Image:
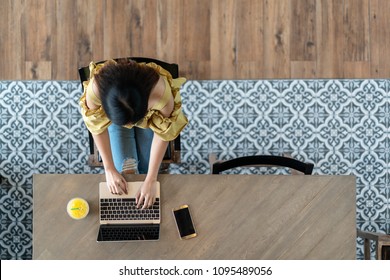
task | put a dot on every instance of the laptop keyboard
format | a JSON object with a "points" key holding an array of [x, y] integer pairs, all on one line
{"points": [[126, 209], [128, 232]]}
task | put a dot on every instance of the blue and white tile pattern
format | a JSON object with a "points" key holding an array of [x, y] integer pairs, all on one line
{"points": [[342, 126]]}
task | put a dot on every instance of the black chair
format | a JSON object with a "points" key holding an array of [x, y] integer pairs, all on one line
{"points": [[172, 155], [263, 160]]}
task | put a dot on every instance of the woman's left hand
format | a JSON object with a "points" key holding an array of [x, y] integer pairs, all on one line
{"points": [[146, 194]]}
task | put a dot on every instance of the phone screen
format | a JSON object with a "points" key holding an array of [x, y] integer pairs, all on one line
{"points": [[184, 222]]}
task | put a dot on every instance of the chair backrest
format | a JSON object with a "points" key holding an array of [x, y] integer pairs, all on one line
{"points": [[263, 160], [381, 243], [172, 68], [172, 154]]}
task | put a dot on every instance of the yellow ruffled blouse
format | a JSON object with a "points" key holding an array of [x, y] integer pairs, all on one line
{"points": [[168, 128]]}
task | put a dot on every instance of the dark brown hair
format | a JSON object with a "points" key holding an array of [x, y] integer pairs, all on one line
{"points": [[124, 88]]}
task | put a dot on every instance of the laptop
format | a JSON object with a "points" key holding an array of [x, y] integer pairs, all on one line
{"points": [[120, 219]]}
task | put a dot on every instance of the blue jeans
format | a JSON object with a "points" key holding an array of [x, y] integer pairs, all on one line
{"points": [[132, 143]]}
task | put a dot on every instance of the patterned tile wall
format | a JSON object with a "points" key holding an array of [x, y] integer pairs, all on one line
{"points": [[342, 126]]}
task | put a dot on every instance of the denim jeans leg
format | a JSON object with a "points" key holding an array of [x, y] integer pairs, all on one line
{"points": [[144, 138], [123, 145]]}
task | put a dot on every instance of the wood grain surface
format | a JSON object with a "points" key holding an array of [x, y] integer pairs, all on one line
{"points": [[217, 39], [236, 216]]}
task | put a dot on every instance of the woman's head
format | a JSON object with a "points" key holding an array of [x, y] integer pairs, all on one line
{"points": [[124, 88]]}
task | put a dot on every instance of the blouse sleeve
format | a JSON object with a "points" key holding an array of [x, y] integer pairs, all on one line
{"points": [[168, 128], [95, 120]]}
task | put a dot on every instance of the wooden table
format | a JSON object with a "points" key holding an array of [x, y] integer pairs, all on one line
{"points": [[236, 216]]}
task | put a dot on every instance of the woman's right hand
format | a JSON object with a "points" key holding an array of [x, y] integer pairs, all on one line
{"points": [[116, 183]]}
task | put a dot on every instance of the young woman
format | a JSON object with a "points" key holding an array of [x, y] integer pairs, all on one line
{"points": [[132, 110]]}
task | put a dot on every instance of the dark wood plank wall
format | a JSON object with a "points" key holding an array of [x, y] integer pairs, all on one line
{"points": [[210, 39]]}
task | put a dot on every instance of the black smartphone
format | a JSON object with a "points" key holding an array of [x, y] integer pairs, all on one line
{"points": [[184, 222]]}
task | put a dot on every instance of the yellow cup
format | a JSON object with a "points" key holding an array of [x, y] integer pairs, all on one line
{"points": [[77, 208]]}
